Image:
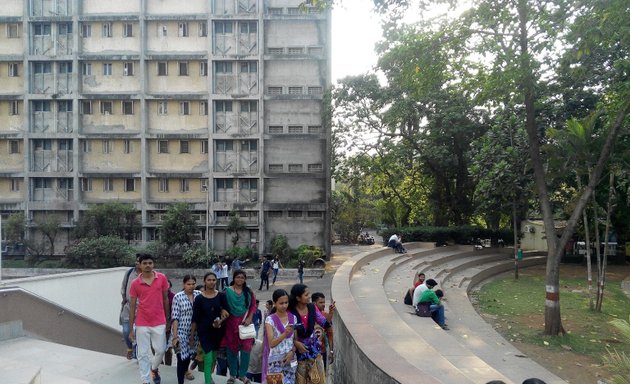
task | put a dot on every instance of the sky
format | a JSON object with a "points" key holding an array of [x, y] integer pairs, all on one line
{"points": [[355, 30]]}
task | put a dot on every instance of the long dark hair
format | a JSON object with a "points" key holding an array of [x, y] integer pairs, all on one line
{"points": [[246, 289], [277, 294], [296, 291], [305, 330]]}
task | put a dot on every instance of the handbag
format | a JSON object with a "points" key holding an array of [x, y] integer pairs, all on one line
{"points": [[275, 378], [408, 299], [423, 309], [246, 332]]}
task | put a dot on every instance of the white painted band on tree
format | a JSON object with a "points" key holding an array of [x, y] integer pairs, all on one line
{"points": [[551, 289], [552, 303]]}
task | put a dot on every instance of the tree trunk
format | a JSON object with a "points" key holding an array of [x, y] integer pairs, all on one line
{"points": [[597, 252], [600, 298], [515, 240], [587, 242]]}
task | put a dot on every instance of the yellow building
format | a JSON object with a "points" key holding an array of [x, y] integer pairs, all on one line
{"points": [[217, 103]]}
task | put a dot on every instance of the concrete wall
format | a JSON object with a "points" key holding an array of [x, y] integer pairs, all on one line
{"points": [[94, 294]]}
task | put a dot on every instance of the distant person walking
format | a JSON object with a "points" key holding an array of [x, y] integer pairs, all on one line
{"points": [[275, 266], [265, 270], [301, 271], [149, 296], [131, 274]]}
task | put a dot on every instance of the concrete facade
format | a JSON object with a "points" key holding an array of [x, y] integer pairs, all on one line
{"points": [[218, 103]]}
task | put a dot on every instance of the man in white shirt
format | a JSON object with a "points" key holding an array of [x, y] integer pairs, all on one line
{"points": [[429, 284]]}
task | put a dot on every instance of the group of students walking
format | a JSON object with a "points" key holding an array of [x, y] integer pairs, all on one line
{"points": [[207, 321]]}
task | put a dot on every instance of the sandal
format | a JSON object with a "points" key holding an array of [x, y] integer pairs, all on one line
{"points": [[231, 380], [189, 376], [245, 380]]}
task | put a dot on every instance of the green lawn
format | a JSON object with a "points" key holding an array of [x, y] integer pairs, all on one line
{"points": [[518, 307]]}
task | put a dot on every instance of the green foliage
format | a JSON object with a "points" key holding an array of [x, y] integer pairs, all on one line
{"points": [[241, 253], [280, 248], [49, 226], [443, 235], [179, 226], [234, 226], [619, 361], [109, 219], [14, 227], [352, 210], [101, 252], [308, 254], [196, 257]]}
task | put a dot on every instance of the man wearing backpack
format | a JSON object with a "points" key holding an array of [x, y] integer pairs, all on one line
{"points": [[123, 319]]}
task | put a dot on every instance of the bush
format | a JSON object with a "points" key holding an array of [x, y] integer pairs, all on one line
{"points": [[280, 248], [241, 253], [196, 257], [465, 234], [308, 253], [101, 252]]}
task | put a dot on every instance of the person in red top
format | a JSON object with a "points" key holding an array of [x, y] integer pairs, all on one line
{"points": [[149, 310]]}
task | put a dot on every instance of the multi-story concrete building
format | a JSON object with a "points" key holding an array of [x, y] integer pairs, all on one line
{"points": [[218, 103]]}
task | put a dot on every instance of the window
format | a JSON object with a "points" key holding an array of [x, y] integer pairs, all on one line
{"points": [[130, 185], [128, 69], [86, 69], [275, 51], [314, 129], [184, 185], [127, 107], [41, 144], [295, 90], [42, 67], [248, 27], [249, 184], [15, 185], [275, 214], [14, 69], [249, 145], [274, 11], [295, 50], [162, 31], [203, 68], [314, 90], [294, 213], [14, 107], [86, 107], [86, 146], [127, 146], [14, 146], [203, 108], [64, 106], [162, 146], [204, 146], [222, 27], [249, 67], [274, 90], [65, 145], [184, 107], [249, 106], [127, 30], [107, 69], [86, 185], [276, 129], [108, 185], [223, 67], [225, 183], [204, 185], [293, 11], [64, 28], [41, 106], [183, 68], [163, 185], [107, 146], [106, 108], [315, 214], [162, 68], [182, 30], [223, 106], [316, 168], [203, 29], [41, 29], [224, 145], [295, 168], [184, 146], [86, 30], [107, 29], [163, 108], [276, 168], [65, 67], [295, 129], [13, 31]]}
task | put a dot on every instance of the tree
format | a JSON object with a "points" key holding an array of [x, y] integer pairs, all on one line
{"points": [[179, 226], [101, 252], [235, 224], [14, 228], [50, 226], [109, 219]]}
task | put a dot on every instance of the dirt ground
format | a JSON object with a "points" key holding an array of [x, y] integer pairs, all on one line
{"points": [[572, 367]]}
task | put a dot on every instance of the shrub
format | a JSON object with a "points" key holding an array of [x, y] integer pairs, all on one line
{"points": [[196, 257], [308, 253], [280, 248], [242, 253], [465, 234], [101, 252]]}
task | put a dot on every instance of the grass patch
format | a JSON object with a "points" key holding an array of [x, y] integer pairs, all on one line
{"points": [[517, 307], [24, 264]]}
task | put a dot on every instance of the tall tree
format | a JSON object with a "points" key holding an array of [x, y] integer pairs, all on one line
{"points": [[179, 226], [109, 219], [50, 226]]}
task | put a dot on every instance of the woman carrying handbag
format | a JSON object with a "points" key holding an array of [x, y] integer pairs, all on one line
{"points": [[279, 359]]}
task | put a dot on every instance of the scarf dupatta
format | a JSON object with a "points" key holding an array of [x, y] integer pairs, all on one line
{"points": [[280, 327]]}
